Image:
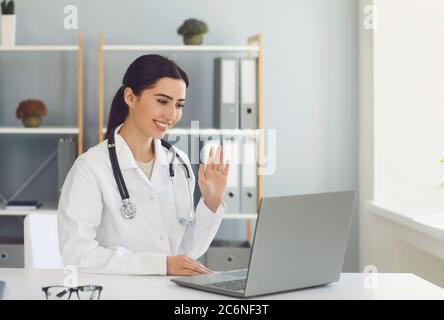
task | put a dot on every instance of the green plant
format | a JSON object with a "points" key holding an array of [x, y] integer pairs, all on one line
{"points": [[8, 7], [192, 27]]}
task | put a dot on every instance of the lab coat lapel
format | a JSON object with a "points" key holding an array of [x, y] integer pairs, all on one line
{"points": [[160, 174], [124, 154]]}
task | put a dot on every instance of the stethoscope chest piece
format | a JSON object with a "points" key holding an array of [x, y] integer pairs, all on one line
{"points": [[128, 209]]}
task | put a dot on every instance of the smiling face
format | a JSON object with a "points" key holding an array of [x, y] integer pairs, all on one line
{"points": [[158, 108]]}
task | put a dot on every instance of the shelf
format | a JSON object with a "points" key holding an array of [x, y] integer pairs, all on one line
{"points": [[201, 48], [46, 208], [39, 48], [40, 130], [78, 49], [210, 132], [240, 216]]}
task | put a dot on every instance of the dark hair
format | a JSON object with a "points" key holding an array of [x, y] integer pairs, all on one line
{"points": [[142, 74]]}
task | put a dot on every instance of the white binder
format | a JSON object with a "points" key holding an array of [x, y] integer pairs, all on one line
{"points": [[249, 175], [226, 93], [248, 93]]}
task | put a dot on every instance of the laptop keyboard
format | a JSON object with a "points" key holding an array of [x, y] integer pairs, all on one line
{"points": [[235, 285]]}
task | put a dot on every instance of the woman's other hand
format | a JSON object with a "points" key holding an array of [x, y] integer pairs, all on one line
{"points": [[182, 265]]}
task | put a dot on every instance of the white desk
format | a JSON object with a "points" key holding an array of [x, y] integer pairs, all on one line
{"points": [[26, 284]]}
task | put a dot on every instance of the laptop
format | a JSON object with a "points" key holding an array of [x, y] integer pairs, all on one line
{"points": [[299, 242], [2, 288]]}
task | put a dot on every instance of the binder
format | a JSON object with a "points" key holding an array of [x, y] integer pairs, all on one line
{"points": [[66, 156], [248, 93], [249, 175], [226, 93], [231, 149]]}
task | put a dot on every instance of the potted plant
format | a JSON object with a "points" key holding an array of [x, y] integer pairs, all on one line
{"points": [[31, 111], [192, 31], [7, 23]]}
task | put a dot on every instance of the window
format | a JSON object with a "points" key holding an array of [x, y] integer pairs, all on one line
{"points": [[409, 104]]}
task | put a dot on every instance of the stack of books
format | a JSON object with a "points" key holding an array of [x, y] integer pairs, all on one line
{"points": [[23, 205]]}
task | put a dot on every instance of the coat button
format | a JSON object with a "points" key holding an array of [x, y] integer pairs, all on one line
{"points": [[162, 237], [151, 197]]}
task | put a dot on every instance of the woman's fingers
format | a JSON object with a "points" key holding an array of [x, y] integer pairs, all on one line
{"points": [[220, 165], [190, 272], [216, 162], [208, 165], [196, 266], [226, 169], [199, 267], [208, 270], [201, 171], [221, 159]]}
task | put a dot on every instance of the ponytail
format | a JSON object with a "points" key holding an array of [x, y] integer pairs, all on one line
{"points": [[118, 112]]}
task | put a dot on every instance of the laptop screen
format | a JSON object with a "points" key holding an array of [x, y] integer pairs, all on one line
{"points": [[2, 287]]}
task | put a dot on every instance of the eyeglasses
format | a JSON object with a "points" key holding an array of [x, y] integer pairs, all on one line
{"points": [[64, 293]]}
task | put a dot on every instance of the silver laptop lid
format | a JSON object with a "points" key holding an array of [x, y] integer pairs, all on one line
{"points": [[2, 288], [299, 241]]}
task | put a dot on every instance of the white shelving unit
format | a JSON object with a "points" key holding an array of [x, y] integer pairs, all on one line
{"points": [[50, 130], [40, 48], [55, 130], [208, 132], [241, 216], [46, 208], [254, 45], [163, 48], [40, 130]]}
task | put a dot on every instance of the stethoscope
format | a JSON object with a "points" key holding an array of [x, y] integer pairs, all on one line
{"points": [[128, 209]]}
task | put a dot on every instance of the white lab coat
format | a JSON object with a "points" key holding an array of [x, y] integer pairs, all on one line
{"points": [[95, 237]]}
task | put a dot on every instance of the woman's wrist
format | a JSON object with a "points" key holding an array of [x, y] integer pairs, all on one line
{"points": [[212, 204]]}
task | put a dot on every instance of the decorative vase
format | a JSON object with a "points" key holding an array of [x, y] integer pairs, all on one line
{"points": [[32, 121], [7, 27], [193, 39]]}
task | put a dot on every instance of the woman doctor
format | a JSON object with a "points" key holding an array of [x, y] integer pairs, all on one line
{"points": [[155, 231]]}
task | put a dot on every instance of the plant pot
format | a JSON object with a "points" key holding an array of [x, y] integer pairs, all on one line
{"points": [[32, 121], [193, 40], [7, 27]]}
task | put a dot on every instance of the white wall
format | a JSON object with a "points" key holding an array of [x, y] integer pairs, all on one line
{"points": [[401, 64], [409, 99]]}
